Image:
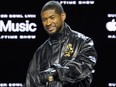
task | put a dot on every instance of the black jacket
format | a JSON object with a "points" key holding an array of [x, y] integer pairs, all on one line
{"points": [[73, 56]]}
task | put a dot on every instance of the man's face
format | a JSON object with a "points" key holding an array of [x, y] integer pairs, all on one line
{"points": [[52, 21]]}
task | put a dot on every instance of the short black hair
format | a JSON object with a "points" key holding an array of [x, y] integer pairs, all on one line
{"points": [[53, 5]]}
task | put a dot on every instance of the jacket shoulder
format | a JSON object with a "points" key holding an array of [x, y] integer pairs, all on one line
{"points": [[78, 35], [42, 46]]}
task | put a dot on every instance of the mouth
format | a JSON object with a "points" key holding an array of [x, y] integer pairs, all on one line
{"points": [[50, 29]]}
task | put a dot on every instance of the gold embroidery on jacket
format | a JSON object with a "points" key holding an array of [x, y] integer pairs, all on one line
{"points": [[68, 50]]}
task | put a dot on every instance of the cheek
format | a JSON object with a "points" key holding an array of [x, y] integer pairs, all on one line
{"points": [[59, 23], [43, 24]]}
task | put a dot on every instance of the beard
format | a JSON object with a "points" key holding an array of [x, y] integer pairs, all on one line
{"points": [[59, 29]]}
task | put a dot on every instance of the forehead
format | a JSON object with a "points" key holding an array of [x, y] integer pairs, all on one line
{"points": [[48, 13]]}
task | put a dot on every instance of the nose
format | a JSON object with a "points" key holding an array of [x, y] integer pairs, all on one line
{"points": [[49, 21]]}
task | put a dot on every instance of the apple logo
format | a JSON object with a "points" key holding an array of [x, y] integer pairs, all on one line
{"points": [[111, 25]]}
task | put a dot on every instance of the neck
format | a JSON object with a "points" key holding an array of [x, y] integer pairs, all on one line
{"points": [[62, 28], [59, 35]]}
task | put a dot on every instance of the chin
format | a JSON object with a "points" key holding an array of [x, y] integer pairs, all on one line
{"points": [[52, 34]]}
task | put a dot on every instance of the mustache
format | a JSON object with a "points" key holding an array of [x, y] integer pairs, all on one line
{"points": [[50, 26]]}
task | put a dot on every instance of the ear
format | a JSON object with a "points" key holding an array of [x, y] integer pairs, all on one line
{"points": [[63, 16]]}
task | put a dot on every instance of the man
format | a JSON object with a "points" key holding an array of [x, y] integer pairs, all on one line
{"points": [[66, 58]]}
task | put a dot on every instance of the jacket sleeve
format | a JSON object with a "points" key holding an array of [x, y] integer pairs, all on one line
{"points": [[32, 78], [82, 63]]}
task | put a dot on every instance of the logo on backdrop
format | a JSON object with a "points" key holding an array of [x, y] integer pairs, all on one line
{"points": [[17, 26], [111, 26]]}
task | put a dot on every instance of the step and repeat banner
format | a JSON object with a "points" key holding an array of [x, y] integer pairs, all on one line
{"points": [[21, 33]]}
